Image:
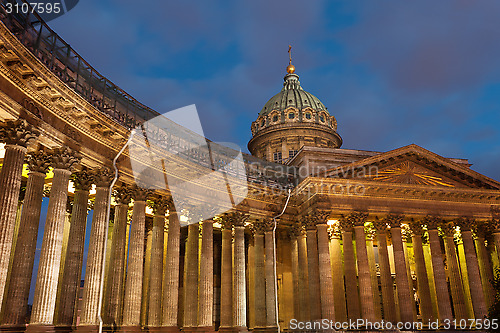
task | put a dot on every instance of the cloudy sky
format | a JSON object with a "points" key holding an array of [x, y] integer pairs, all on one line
{"points": [[392, 72]]}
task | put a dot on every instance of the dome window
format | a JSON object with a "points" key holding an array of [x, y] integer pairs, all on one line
{"points": [[275, 118], [290, 101], [308, 115], [262, 123], [305, 101], [291, 115], [322, 118]]}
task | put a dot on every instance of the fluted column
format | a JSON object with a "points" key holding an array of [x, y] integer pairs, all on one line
{"points": [[305, 313], [44, 301], [16, 298], [424, 292], [309, 223], [160, 206], [206, 293], [377, 303], [405, 298], [337, 274], [365, 283], [351, 285], [239, 279], [93, 272], [457, 291], [260, 276], [171, 280], [476, 288], [115, 283], [294, 232], [485, 268], [271, 314], [17, 135], [82, 182], [325, 268], [226, 281], [442, 294], [385, 272], [133, 281], [191, 277]]}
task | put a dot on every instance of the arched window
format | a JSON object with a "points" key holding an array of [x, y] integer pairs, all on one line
{"points": [[291, 115]]}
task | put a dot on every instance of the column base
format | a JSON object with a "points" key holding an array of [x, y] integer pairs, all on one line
{"points": [[167, 329], [87, 329], [199, 329], [13, 328], [129, 329], [265, 330], [38, 328]]}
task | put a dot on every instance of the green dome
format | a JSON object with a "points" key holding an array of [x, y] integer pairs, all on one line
{"points": [[292, 95]]}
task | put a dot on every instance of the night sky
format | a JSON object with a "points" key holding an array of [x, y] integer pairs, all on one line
{"points": [[392, 72]]}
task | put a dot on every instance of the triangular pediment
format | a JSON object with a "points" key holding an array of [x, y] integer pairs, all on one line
{"points": [[413, 165]]}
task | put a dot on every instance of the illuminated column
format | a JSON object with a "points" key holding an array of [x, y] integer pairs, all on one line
{"points": [[365, 283], [82, 182], [325, 269], [457, 291], [93, 272], [260, 276], [148, 238], [385, 272], [206, 293], [17, 135], [351, 284], [480, 231], [309, 223], [337, 274], [171, 280], [239, 280], [405, 298], [294, 232], [133, 281], [16, 298], [370, 235], [226, 283], [191, 277], [476, 289], [160, 206], [271, 314], [44, 302], [442, 294], [424, 292], [115, 283], [305, 313]]}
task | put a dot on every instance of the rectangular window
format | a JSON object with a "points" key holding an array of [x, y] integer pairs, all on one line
{"points": [[277, 157], [292, 153]]}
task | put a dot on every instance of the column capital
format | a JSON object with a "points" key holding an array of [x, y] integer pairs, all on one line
{"points": [[432, 222], [448, 228], [160, 205], [394, 220], [122, 194], [103, 177], [226, 221], [309, 221], [495, 224], [334, 232], [83, 179], [261, 226], [38, 161], [345, 223], [295, 230], [64, 158], [139, 193], [380, 225], [18, 132], [482, 229], [416, 228], [236, 219], [465, 223]]}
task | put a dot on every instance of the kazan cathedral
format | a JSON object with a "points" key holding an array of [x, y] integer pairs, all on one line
{"points": [[399, 236]]}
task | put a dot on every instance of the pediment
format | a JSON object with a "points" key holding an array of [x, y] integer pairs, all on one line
{"points": [[414, 165]]}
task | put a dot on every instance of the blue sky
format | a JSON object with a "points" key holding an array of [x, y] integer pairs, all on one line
{"points": [[392, 72]]}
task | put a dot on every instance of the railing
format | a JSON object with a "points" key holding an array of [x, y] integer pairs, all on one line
{"points": [[104, 95]]}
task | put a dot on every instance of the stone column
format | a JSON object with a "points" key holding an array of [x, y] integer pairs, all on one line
{"points": [[294, 232], [17, 135], [377, 302], [309, 223], [405, 298], [476, 288], [386, 283], [351, 285], [260, 276], [115, 283], [442, 294], [93, 273], [305, 313], [16, 298], [191, 277], [160, 206], [171, 281], [325, 268], [271, 313], [206, 293], [72, 274], [337, 274], [239, 279], [148, 240], [44, 301], [133, 281], [226, 281], [485, 268], [365, 283], [424, 292], [457, 291]]}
